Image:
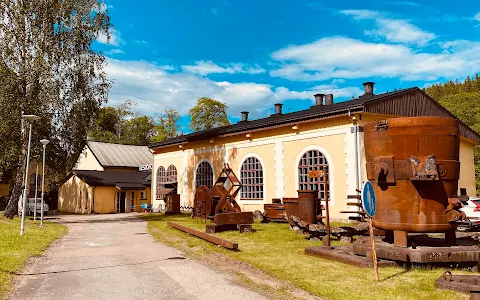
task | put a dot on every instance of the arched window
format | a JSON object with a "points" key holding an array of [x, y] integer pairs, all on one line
{"points": [[172, 174], [312, 160], [251, 176], [161, 178], [204, 175]]}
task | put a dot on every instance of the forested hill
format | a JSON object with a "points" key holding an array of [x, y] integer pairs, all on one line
{"points": [[463, 100]]}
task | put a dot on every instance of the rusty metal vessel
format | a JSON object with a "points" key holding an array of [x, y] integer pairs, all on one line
{"points": [[413, 164]]}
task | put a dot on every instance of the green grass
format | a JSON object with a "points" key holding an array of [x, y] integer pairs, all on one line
{"points": [[15, 249], [278, 251]]}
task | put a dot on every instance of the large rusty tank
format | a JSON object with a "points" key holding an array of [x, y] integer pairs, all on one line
{"points": [[413, 164]]}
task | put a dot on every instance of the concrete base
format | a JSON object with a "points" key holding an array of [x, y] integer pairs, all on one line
{"points": [[422, 249], [345, 254]]}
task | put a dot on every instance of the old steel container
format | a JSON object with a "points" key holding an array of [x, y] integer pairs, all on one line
{"points": [[413, 164], [291, 209], [307, 209]]}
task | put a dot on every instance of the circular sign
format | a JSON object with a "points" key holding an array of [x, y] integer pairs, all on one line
{"points": [[369, 203]]}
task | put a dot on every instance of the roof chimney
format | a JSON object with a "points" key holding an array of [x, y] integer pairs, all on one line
{"points": [[244, 116], [318, 99], [278, 108], [368, 86], [328, 99]]}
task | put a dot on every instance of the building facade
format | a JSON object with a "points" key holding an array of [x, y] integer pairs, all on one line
{"points": [[272, 156], [108, 178]]}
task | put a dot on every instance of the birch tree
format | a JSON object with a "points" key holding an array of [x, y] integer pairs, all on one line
{"points": [[48, 68]]}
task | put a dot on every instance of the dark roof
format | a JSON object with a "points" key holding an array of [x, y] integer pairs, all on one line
{"points": [[111, 178], [360, 104]]}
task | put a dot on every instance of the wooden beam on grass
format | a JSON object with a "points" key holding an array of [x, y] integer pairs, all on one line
{"points": [[205, 236]]}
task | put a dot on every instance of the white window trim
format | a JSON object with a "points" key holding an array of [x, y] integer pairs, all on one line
{"points": [[331, 169], [239, 169]]}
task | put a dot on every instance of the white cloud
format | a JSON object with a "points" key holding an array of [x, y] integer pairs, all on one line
{"points": [[115, 38], [153, 89], [477, 16], [208, 67], [393, 30], [114, 51], [346, 58]]}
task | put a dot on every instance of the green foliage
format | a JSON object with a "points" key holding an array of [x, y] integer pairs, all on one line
{"points": [[48, 68], [167, 126], [118, 124], [463, 100], [208, 114]]}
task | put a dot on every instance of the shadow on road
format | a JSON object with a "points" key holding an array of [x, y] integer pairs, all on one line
{"points": [[93, 268]]}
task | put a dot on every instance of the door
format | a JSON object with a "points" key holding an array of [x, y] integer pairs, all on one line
{"points": [[121, 202]]}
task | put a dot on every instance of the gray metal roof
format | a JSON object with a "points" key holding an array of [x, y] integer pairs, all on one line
{"points": [[117, 155]]}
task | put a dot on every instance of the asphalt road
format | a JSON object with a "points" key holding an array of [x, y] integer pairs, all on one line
{"points": [[113, 257]]}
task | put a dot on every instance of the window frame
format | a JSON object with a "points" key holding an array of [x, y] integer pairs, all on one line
{"points": [[203, 178], [161, 176], [313, 159], [252, 179]]}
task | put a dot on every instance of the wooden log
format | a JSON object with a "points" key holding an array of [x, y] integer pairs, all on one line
{"points": [[205, 236]]}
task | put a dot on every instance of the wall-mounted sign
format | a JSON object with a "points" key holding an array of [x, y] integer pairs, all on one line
{"points": [[145, 168]]}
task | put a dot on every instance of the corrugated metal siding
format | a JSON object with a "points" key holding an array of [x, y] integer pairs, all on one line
{"points": [[116, 155], [416, 103]]}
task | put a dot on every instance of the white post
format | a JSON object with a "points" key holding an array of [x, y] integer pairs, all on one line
{"points": [[36, 193], [22, 225], [44, 143]]}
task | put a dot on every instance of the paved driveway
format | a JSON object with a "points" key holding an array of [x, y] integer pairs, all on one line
{"points": [[113, 257]]}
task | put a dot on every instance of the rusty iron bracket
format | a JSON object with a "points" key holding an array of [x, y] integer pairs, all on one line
{"points": [[453, 210], [424, 168], [381, 125]]}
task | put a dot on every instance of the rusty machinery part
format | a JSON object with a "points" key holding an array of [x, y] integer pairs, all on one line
{"points": [[274, 212], [468, 284], [226, 189], [205, 236], [413, 164], [202, 202]]}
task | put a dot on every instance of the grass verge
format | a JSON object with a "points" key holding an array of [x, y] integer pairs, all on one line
{"points": [[16, 249], [278, 251]]}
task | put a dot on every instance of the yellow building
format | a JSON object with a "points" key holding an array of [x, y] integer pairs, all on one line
{"points": [[6, 188], [273, 155], [108, 178]]}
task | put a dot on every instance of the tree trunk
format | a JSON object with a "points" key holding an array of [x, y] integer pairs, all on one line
{"points": [[12, 207]]}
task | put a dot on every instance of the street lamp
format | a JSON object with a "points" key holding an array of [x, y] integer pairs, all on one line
{"points": [[44, 143], [29, 118]]}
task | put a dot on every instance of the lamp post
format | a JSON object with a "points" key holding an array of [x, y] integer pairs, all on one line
{"points": [[44, 143], [36, 193], [29, 118]]}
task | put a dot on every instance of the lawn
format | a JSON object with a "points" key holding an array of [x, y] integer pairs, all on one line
{"points": [[15, 249], [279, 252]]}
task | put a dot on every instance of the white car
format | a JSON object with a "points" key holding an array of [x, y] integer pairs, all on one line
{"points": [[31, 206], [471, 207]]}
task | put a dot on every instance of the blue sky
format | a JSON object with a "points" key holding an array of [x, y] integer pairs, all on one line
{"points": [[252, 54]]}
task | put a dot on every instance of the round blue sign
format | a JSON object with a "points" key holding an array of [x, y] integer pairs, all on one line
{"points": [[369, 203]]}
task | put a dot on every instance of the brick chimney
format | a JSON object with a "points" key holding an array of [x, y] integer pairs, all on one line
{"points": [[244, 116], [328, 99], [318, 99], [278, 108], [368, 86]]}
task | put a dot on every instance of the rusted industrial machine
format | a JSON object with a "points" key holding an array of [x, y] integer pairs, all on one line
{"points": [[218, 204], [413, 164]]}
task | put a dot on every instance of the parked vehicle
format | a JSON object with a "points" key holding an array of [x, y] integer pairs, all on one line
{"points": [[471, 207], [31, 206]]}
